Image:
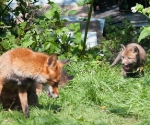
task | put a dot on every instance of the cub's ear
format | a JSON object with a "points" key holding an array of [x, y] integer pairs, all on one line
{"points": [[64, 74], [70, 78], [123, 47], [65, 61], [64, 78], [135, 49], [52, 60]]}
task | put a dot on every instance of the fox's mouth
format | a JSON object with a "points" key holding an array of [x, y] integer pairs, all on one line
{"points": [[52, 95], [127, 68]]}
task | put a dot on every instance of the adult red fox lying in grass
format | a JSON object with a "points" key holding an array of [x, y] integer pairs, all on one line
{"points": [[133, 58], [28, 67]]}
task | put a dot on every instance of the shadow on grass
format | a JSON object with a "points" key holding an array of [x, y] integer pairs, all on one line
{"points": [[123, 112], [54, 108]]}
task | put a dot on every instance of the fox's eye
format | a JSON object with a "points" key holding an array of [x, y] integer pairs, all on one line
{"points": [[129, 58], [122, 57], [55, 84]]}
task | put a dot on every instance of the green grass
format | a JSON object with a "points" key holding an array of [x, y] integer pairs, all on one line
{"points": [[98, 95]]}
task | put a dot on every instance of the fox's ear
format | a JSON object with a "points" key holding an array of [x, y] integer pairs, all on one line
{"points": [[70, 77], [123, 47], [135, 49], [52, 60]]}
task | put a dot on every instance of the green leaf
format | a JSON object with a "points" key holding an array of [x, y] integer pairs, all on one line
{"points": [[65, 29], [83, 2], [49, 14], [5, 44], [46, 45], [27, 43], [71, 26], [144, 11], [64, 38], [78, 37], [77, 26], [19, 31], [1, 23], [144, 33], [72, 12], [139, 7], [23, 25], [52, 37], [59, 31]]}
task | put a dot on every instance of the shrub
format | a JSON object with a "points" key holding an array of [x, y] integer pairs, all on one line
{"points": [[46, 32]]}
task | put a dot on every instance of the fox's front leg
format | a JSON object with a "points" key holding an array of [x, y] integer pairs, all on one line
{"points": [[124, 74], [22, 92], [1, 87]]}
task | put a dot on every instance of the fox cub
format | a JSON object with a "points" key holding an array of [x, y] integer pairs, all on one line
{"points": [[133, 58], [24, 67]]}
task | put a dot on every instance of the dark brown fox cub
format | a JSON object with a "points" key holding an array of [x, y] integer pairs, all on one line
{"points": [[133, 58], [22, 68]]}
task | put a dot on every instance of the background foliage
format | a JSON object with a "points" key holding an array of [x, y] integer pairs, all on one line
{"points": [[45, 32]]}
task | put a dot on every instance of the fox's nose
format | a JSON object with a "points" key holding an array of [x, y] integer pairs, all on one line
{"points": [[56, 96], [124, 64]]}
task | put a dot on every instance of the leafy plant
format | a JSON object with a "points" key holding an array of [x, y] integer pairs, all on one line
{"points": [[82, 3], [145, 11], [114, 35], [46, 32]]}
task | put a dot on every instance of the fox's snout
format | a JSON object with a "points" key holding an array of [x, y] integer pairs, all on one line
{"points": [[52, 92], [125, 64], [53, 95]]}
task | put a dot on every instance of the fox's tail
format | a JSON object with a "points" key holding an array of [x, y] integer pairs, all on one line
{"points": [[117, 59]]}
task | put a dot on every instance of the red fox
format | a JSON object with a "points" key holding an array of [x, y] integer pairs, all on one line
{"points": [[28, 67], [9, 95]]}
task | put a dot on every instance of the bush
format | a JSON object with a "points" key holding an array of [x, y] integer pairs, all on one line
{"points": [[115, 35], [45, 33]]}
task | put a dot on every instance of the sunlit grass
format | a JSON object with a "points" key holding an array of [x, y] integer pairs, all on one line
{"points": [[98, 95]]}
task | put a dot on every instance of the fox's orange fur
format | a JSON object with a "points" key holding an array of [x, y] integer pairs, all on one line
{"points": [[9, 95], [24, 67]]}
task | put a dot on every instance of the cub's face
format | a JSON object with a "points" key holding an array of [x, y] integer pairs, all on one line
{"points": [[129, 58]]}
